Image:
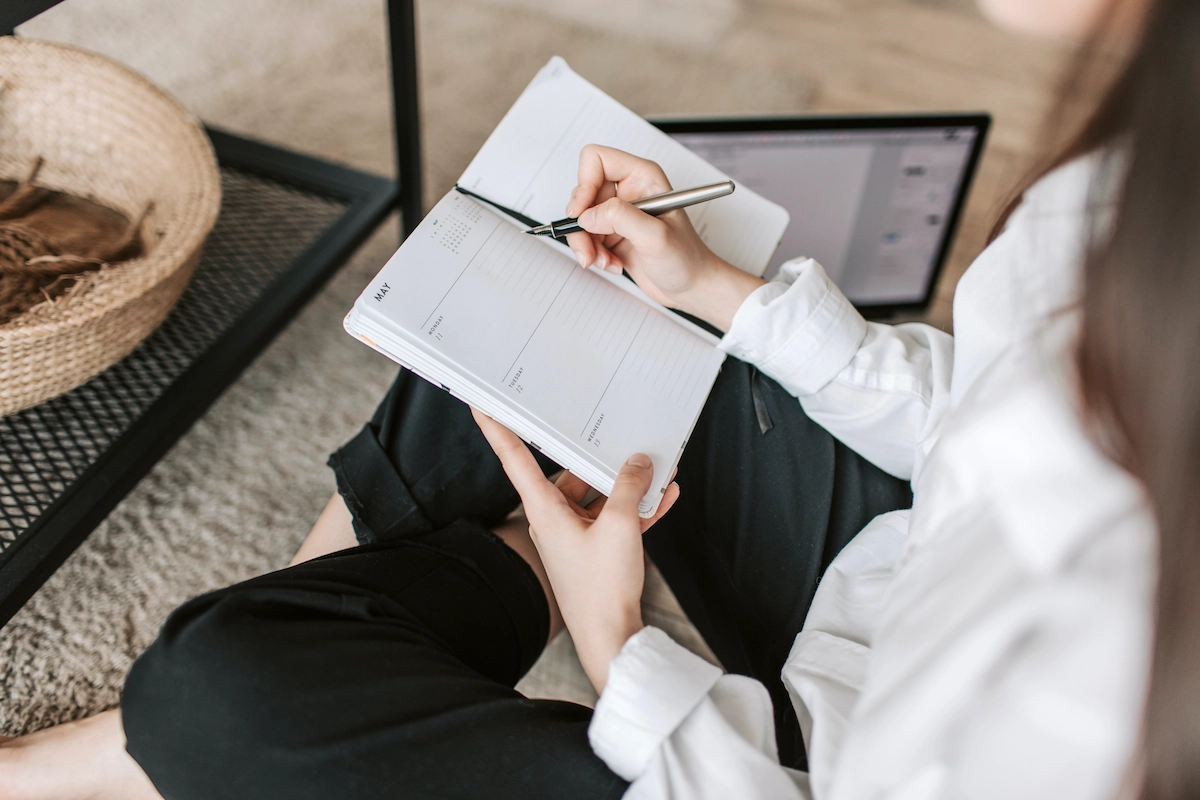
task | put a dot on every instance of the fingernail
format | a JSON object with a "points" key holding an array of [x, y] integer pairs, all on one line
{"points": [[639, 460], [587, 218], [613, 268], [601, 261]]}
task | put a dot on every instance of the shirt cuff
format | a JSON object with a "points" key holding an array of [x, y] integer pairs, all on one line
{"points": [[799, 329], [653, 684]]}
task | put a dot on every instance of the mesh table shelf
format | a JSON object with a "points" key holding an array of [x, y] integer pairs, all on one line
{"points": [[286, 223]]}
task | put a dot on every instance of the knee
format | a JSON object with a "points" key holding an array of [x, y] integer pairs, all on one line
{"points": [[204, 690]]}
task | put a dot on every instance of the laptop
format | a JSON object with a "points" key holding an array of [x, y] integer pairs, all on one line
{"points": [[876, 200]]}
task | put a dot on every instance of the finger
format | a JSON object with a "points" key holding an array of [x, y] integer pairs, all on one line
{"points": [[591, 254], [623, 250], [617, 216], [596, 506], [632, 483], [599, 165], [664, 505], [612, 241], [583, 245], [565, 478], [572, 486], [537, 493], [607, 260], [608, 190], [580, 512]]}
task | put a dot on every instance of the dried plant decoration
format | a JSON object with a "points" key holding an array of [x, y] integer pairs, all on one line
{"points": [[48, 238], [27, 196]]}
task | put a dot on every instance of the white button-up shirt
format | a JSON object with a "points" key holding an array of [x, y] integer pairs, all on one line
{"points": [[993, 641]]}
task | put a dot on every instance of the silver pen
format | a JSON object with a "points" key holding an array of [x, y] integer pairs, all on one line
{"points": [[654, 205]]}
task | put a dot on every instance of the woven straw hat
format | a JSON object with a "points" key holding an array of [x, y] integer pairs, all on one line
{"points": [[106, 134]]}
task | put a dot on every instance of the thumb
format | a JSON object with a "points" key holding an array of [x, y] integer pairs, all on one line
{"points": [[631, 485], [620, 217]]}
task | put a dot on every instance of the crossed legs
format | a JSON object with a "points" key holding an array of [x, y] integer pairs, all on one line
{"points": [[761, 515], [87, 759]]}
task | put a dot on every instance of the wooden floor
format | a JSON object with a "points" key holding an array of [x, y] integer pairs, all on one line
{"points": [[776, 56]]}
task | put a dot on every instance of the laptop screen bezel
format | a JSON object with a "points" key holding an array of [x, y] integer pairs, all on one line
{"points": [[980, 121]]}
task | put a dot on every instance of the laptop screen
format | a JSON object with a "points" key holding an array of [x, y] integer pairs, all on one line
{"points": [[875, 206]]}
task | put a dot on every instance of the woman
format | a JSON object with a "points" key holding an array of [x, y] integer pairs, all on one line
{"points": [[997, 639]]}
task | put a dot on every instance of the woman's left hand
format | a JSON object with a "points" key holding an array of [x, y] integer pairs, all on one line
{"points": [[593, 556]]}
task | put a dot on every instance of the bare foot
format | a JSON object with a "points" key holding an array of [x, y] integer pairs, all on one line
{"points": [[83, 760]]}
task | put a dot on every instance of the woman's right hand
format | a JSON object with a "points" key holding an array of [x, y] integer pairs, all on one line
{"points": [[664, 255]]}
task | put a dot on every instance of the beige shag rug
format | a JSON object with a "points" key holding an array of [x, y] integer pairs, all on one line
{"points": [[237, 494]]}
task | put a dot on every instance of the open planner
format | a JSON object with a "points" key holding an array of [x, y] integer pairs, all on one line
{"points": [[581, 364]]}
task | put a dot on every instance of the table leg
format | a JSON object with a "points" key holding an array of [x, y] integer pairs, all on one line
{"points": [[402, 30]]}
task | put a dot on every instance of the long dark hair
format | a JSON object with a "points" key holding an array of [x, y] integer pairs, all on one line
{"points": [[1139, 354]]}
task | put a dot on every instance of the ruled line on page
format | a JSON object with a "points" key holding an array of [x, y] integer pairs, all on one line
{"points": [[616, 372], [532, 333]]}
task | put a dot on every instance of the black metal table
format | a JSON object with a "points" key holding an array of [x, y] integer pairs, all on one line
{"points": [[287, 223]]}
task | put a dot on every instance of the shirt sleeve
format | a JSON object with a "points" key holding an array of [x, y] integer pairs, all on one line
{"points": [[881, 389], [674, 726]]}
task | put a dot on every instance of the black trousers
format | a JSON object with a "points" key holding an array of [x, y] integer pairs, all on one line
{"points": [[387, 670]]}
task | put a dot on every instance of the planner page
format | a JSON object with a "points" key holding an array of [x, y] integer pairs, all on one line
{"points": [[530, 164], [567, 357]]}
